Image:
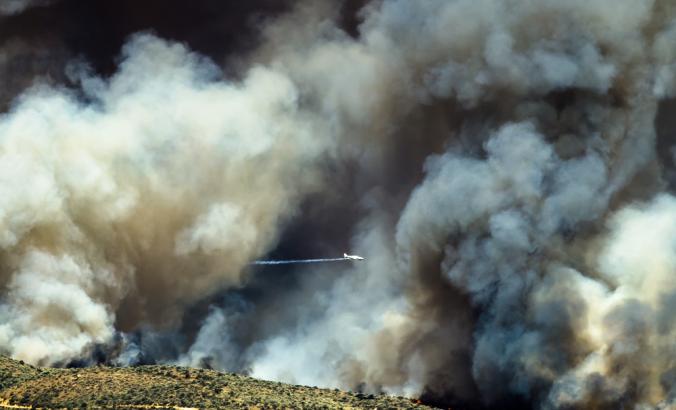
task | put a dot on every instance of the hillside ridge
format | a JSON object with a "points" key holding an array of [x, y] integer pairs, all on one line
{"points": [[168, 387]]}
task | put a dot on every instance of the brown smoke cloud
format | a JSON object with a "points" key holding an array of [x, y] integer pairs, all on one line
{"points": [[496, 163]]}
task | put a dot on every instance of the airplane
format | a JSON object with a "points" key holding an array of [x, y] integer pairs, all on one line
{"points": [[353, 257]]}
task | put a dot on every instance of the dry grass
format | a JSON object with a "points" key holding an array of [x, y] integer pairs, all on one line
{"points": [[168, 387]]}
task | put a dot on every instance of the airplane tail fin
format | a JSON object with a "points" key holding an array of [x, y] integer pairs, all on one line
{"points": [[344, 255]]}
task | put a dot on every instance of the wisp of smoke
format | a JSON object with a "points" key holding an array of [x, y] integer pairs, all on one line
{"points": [[17, 6], [496, 162]]}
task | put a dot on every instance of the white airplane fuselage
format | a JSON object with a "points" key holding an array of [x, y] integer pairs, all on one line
{"points": [[353, 257]]}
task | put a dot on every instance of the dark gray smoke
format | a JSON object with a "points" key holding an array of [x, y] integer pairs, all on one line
{"points": [[505, 167], [17, 6]]}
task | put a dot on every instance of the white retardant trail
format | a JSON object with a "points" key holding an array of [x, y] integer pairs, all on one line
{"points": [[292, 261]]}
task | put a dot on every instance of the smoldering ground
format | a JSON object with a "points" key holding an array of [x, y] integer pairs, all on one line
{"points": [[506, 168]]}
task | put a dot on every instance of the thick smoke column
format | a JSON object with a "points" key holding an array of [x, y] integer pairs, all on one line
{"points": [[137, 198], [493, 288], [495, 161]]}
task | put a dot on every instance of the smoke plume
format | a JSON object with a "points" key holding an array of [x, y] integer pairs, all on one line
{"points": [[506, 169]]}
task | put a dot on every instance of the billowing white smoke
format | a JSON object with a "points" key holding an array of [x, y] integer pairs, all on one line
{"points": [[630, 319], [156, 192], [519, 241]]}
